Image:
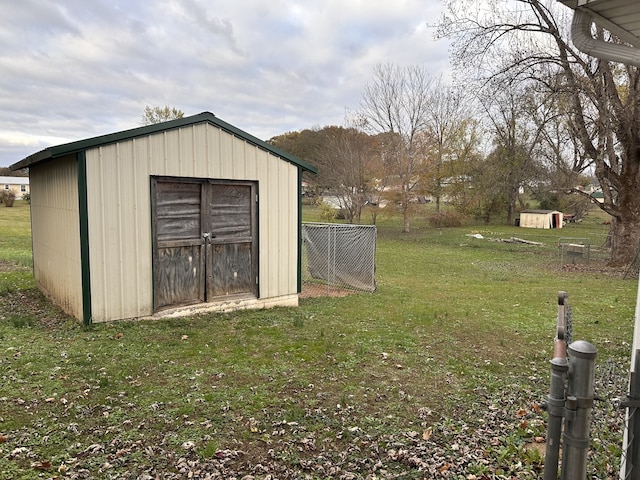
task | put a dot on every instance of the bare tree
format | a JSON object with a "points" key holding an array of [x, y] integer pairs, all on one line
{"points": [[464, 167], [517, 138], [395, 102], [160, 114], [344, 157], [527, 40], [448, 111]]}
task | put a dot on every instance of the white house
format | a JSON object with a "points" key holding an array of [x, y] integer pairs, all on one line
{"points": [[18, 185]]}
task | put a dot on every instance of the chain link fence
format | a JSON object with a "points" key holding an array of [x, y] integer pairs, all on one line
{"points": [[583, 252], [338, 258]]}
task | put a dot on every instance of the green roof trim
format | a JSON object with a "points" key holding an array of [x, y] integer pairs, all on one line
{"points": [[51, 153]]}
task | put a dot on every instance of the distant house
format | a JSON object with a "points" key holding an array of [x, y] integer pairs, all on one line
{"points": [[18, 185], [598, 196], [541, 219], [179, 217]]}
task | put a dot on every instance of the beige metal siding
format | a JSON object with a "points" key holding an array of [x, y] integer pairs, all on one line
{"points": [[118, 178], [56, 233]]}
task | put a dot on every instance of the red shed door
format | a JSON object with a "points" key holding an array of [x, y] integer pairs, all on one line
{"points": [[205, 243]]}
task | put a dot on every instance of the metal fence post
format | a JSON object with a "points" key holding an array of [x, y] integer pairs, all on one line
{"points": [[555, 408], [555, 401], [578, 407]]}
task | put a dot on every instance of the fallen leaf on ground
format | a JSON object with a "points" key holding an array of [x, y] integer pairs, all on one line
{"points": [[44, 465]]}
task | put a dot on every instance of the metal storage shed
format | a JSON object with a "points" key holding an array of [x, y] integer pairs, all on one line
{"points": [[168, 219], [541, 219]]}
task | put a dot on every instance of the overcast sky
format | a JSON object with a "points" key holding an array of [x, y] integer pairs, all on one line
{"points": [[74, 69]]}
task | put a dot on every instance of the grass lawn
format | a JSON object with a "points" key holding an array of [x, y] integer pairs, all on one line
{"points": [[438, 374]]}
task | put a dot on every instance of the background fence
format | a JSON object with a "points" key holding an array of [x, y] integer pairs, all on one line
{"points": [[338, 258], [594, 250]]}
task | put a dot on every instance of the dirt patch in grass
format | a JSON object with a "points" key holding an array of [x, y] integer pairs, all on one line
{"points": [[6, 266], [317, 291], [599, 267]]}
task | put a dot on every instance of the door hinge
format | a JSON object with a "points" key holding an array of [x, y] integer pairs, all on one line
{"points": [[257, 282], [256, 198]]}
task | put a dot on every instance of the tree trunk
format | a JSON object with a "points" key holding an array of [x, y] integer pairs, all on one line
{"points": [[405, 219], [625, 226], [405, 209], [622, 201], [511, 212], [374, 214], [625, 241]]}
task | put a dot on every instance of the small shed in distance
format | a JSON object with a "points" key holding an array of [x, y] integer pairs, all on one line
{"points": [[168, 219], [541, 219]]}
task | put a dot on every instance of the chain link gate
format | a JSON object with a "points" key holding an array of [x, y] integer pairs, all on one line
{"points": [[338, 258]]}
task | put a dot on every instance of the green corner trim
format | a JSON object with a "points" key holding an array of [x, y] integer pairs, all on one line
{"points": [[83, 212], [299, 230]]}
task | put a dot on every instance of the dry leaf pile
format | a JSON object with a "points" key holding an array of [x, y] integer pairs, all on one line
{"points": [[493, 436]]}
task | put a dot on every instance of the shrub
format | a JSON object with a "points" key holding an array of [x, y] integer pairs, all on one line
{"points": [[7, 197], [27, 197], [445, 219], [327, 212]]}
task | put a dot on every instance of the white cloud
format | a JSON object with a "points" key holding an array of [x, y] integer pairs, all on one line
{"points": [[74, 69]]}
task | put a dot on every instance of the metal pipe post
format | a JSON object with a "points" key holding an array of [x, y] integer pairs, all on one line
{"points": [[555, 408], [579, 404], [556, 397]]}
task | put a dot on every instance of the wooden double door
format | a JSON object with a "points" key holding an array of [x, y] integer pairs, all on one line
{"points": [[204, 240]]}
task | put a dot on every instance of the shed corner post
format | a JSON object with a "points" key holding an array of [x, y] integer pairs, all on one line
{"points": [[83, 213], [299, 230]]}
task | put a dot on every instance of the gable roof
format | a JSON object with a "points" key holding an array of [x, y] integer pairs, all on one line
{"points": [[14, 180], [51, 153], [540, 212]]}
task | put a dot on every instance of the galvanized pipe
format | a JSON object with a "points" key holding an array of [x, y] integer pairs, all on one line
{"points": [[578, 406], [556, 397], [555, 409]]}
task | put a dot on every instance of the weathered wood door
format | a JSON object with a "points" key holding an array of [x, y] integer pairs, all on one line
{"points": [[205, 241], [231, 267]]}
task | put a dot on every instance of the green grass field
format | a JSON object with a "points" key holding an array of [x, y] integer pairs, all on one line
{"points": [[438, 374]]}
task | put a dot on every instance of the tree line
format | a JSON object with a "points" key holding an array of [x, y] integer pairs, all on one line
{"points": [[525, 111], [418, 138]]}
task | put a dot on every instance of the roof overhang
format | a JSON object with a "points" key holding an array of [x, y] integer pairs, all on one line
{"points": [[58, 151], [620, 17]]}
